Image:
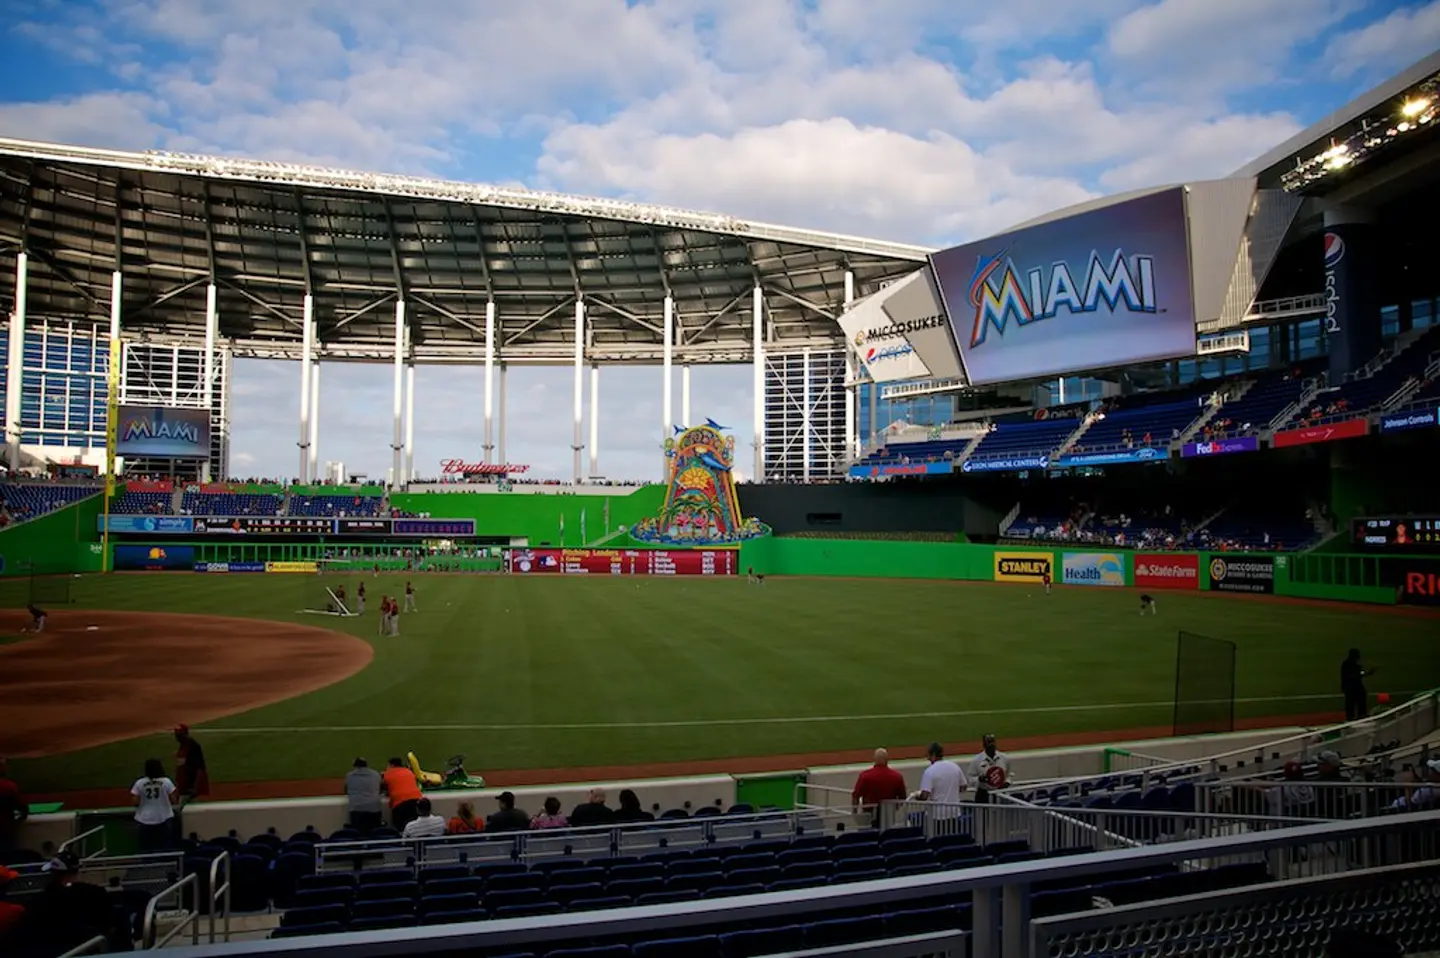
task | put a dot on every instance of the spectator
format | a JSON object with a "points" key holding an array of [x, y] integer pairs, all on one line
{"points": [[11, 914], [1329, 767], [362, 791], [508, 818], [1352, 684], [1427, 795], [154, 814], [464, 821], [192, 777], [426, 823], [13, 812], [990, 769], [399, 783], [630, 810], [878, 783], [70, 911], [942, 784], [593, 811], [1293, 798], [551, 817]]}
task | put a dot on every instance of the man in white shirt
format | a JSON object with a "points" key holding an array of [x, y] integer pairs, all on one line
{"points": [[990, 769], [942, 784], [428, 825]]}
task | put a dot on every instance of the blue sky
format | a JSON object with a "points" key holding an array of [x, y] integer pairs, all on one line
{"points": [[932, 121]]}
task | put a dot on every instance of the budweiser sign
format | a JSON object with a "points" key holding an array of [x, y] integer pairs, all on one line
{"points": [[459, 467]]}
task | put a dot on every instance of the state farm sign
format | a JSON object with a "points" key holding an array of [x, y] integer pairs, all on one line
{"points": [[459, 467], [1162, 570]]}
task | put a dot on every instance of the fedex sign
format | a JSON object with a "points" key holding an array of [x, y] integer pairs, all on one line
{"points": [[1103, 288]]}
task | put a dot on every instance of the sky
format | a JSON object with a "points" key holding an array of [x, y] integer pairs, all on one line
{"points": [[925, 121]]}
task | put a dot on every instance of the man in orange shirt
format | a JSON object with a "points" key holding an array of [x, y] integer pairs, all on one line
{"points": [[878, 783], [399, 783]]}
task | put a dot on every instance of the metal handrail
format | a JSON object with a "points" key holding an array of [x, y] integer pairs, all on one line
{"points": [[97, 830], [192, 917], [98, 943], [220, 894]]}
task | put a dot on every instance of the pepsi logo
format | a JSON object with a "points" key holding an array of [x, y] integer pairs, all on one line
{"points": [[1334, 250]]}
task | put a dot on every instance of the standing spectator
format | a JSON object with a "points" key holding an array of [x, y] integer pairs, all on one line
{"points": [[154, 814], [13, 812], [1352, 684], [878, 783], [192, 777], [990, 769], [551, 817], [630, 810], [942, 784], [399, 783], [508, 818], [464, 821], [593, 811], [426, 823], [362, 792]]}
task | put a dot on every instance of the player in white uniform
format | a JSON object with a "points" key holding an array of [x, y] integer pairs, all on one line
{"points": [[990, 769], [37, 619], [154, 795], [410, 598]]}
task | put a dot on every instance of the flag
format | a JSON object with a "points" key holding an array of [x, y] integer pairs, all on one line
{"points": [[583, 538]]}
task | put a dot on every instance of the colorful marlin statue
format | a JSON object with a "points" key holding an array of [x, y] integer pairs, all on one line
{"points": [[701, 507]]}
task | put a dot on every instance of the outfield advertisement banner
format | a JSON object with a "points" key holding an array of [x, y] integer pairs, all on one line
{"points": [[1023, 566], [622, 561], [1349, 429], [1220, 447], [1243, 574], [1018, 464], [1146, 454], [228, 567], [942, 468], [1092, 568], [153, 558], [1421, 586], [299, 567], [1415, 419], [147, 525], [1164, 570]]}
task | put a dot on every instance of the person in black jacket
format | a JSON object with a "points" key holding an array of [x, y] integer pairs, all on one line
{"points": [[592, 812], [630, 810], [1352, 684]]}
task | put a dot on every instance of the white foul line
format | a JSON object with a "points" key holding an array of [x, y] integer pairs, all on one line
{"points": [[704, 723]]}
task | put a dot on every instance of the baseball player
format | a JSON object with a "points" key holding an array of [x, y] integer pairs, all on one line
{"points": [[1147, 604], [360, 600], [410, 597], [37, 619], [990, 769], [384, 625], [1045, 578]]}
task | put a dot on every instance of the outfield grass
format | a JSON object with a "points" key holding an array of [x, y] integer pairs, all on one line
{"points": [[520, 672]]}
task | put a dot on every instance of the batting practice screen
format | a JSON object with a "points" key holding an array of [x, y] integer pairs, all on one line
{"points": [[1204, 685]]}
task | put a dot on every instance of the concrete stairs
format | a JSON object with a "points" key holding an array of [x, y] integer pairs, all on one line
{"points": [[1212, 409], [1070, 441], [969, 449]]}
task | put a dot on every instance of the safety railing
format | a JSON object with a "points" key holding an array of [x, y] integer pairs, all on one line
{"points": [[187, 917], [95, 946], [83, 844], [545, 844], [1314, 800], [219, 894], [1000, 895], [154, 870], [1128, 760]]}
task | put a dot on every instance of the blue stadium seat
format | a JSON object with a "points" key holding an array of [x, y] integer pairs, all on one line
{"points": [[450, 917]]}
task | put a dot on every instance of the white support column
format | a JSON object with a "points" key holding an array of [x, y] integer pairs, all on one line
{"points": [[667, 357], [409, 423], [757, 309], [852, 432], [685, 396], [805, 422], [488, 445], [307, 352], [501, 425], [313, 449], [118, 355], [594, 420], [397, 440], [207, 388], [16, 359], [576, 446]]}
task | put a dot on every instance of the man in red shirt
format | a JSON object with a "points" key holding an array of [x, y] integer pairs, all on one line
{"points": [[13, 811], [878, 783]]}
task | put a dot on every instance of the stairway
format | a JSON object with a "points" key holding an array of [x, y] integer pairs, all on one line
{"points": [[177, 500], [970, 447], [1214, 407], [1070, 441]]}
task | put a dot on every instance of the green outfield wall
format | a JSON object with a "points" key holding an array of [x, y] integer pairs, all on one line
{"points": [[61, 541], [539, 517]]}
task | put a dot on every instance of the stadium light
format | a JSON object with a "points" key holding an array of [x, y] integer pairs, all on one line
{"points": [[1414, 108]]}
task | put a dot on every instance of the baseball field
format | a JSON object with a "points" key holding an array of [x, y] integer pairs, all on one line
{"points": [[538, 679]]}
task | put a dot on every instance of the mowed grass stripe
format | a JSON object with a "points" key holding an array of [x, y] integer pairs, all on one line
{"points": [[551, 672]]}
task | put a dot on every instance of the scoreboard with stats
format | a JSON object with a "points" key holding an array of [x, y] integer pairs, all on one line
{"points": [[1398, 532]]}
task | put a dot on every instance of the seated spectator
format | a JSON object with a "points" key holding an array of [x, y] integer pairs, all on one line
{"points": [[1428, 794], [11, 913], [464, 821], [592, 812], [362, 790], [70, 912], [508, 818], [551, 817], [878, 783], [426, 823], [13, 811], [630, 810]]}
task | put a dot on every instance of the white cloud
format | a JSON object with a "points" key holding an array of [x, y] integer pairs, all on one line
{"points": [[1402, 38]]}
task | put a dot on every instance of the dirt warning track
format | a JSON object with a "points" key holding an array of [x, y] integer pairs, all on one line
{"points": [[99, 677]]}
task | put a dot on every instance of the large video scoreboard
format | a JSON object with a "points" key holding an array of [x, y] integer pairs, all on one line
{"points": [[1398, 533], [268, 526]]}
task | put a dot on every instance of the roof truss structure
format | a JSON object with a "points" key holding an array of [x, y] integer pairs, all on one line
{"points": [[268, 234]]}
